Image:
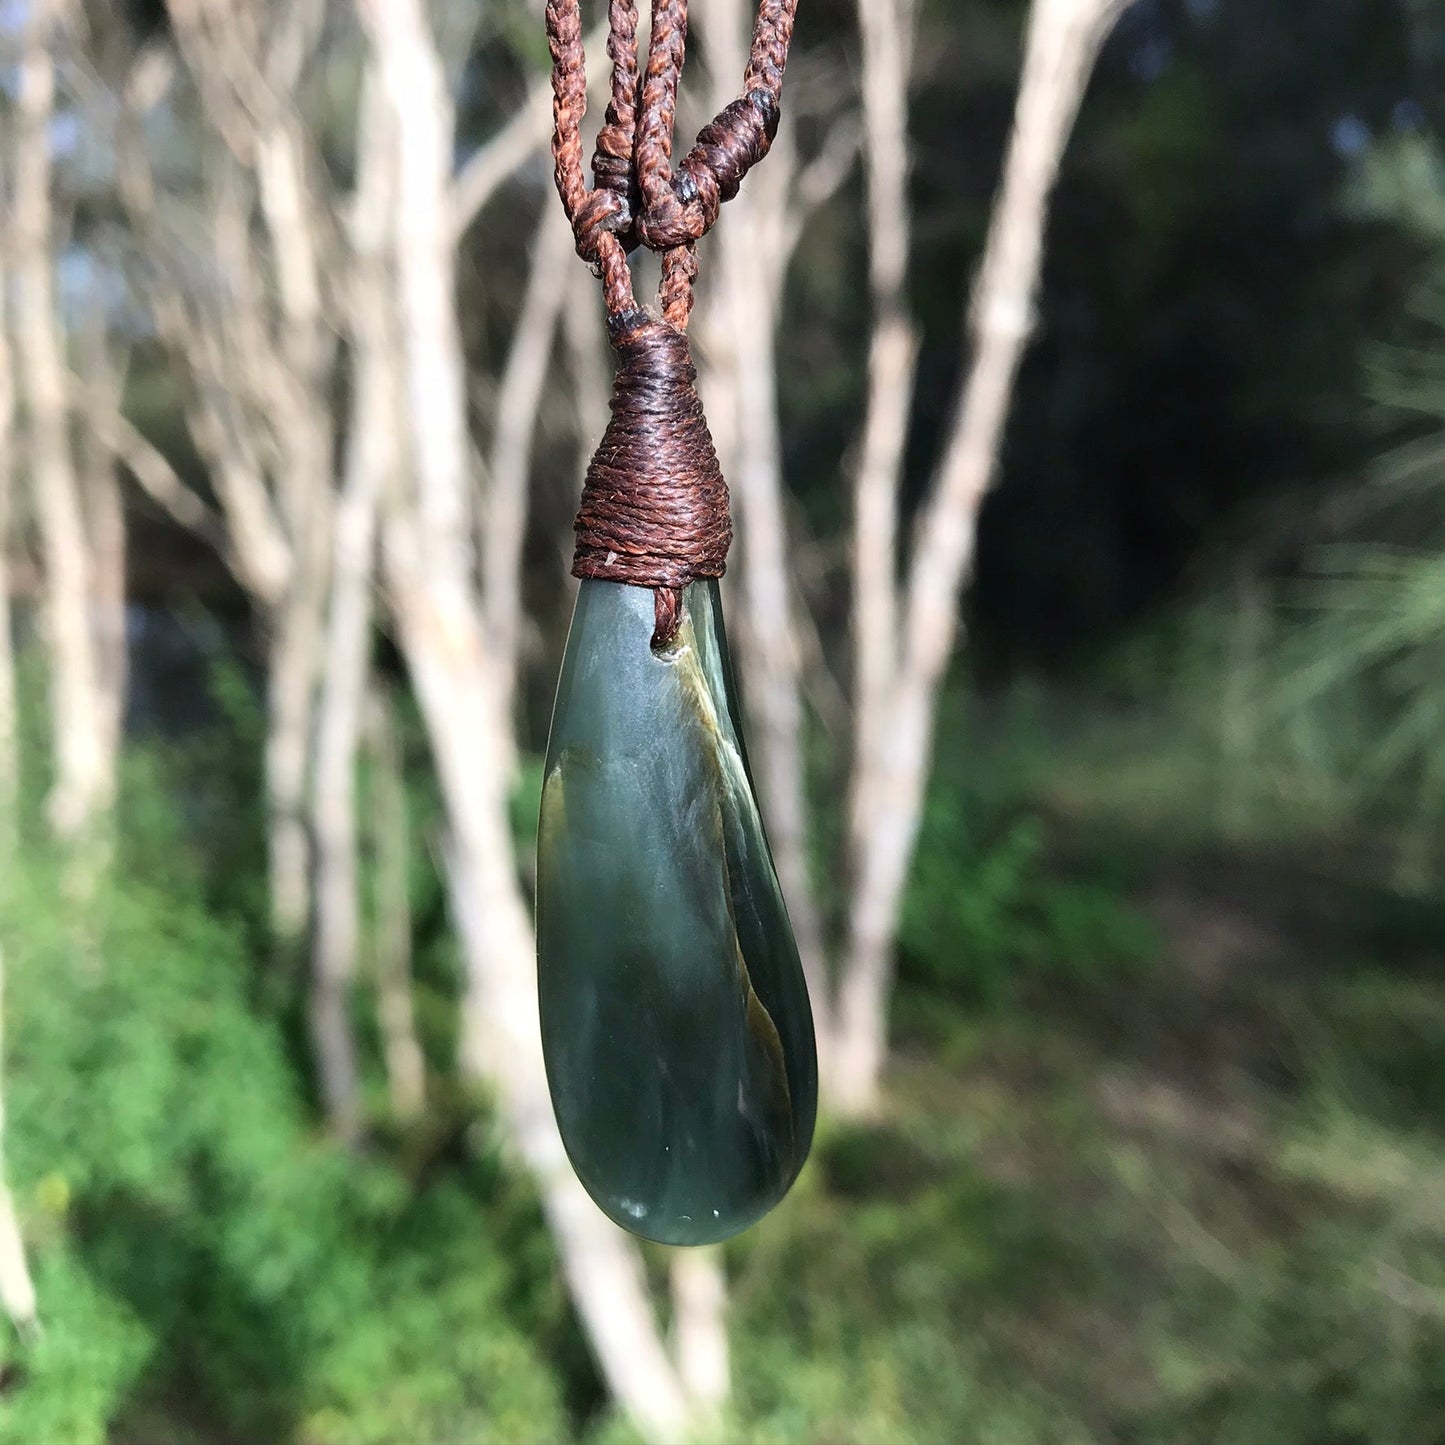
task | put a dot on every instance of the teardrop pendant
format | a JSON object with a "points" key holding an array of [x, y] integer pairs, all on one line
{"points": [[675, 1020]]}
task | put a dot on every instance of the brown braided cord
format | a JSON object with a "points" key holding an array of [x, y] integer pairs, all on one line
{"points": [[654, 508], [638, 198], [612, 161]]}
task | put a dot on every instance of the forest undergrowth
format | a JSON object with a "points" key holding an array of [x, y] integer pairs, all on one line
{"points": [[1161, 1160]]}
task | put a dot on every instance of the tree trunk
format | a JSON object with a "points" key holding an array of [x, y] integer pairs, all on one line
{"points": [[887, 32], [699, 1329], [293, 655], [371, 463], [17, 1292], [303, 424], [338, 732], [9, 739], [1061, 43], [84, 771], [391, 927], [101, 398], [770, 655], [742, 318], [894, 806]]}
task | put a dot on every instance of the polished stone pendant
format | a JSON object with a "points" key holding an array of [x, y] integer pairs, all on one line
{"points": [[675, 1019]]}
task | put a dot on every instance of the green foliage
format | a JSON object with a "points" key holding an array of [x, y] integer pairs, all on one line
{"points": [[1313, 704], [987, 912], [205, 1266], [1336, 1334], [192, 808], [1338, 1352], [1401, 179], [881, 1278], [445, 1359]]}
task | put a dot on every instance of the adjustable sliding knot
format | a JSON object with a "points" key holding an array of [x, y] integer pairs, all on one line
{"points": [[654, 509], [727, 148]]}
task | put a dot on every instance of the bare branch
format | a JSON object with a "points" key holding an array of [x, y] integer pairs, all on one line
{"points": [[261, 355], [259, 551], [742, 387], [372, 462], [151, 469], [1061, 43], [819, 181], [495, 162]]}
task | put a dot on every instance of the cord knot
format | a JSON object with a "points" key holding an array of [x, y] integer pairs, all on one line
{"points": [[603, 211], [636, 198], [654, 509], [712, 173], [730, 146]]}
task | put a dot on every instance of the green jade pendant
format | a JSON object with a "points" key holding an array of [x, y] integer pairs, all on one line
{"points": [[675, 1019]]}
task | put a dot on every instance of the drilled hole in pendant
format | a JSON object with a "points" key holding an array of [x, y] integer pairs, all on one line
{"points": [[666, 618]]}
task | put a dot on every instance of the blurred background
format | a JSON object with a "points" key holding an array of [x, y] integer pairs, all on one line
{"points": [[1079, 372]]}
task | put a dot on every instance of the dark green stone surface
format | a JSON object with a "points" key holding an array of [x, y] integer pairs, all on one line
{"points": [[675, 1020]]}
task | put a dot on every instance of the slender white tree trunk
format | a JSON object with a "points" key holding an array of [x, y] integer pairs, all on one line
{"points": [[429, 570], [101, 398], [887, 31], [333, 797], [699, 1332], [441, 638], [17, 1292], [304, 429], [9, 739], [1061, 43], [293, 651], [751, 254], [333, 817], [391, 924], [84, 770], [371, 464], [770, 656]]}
